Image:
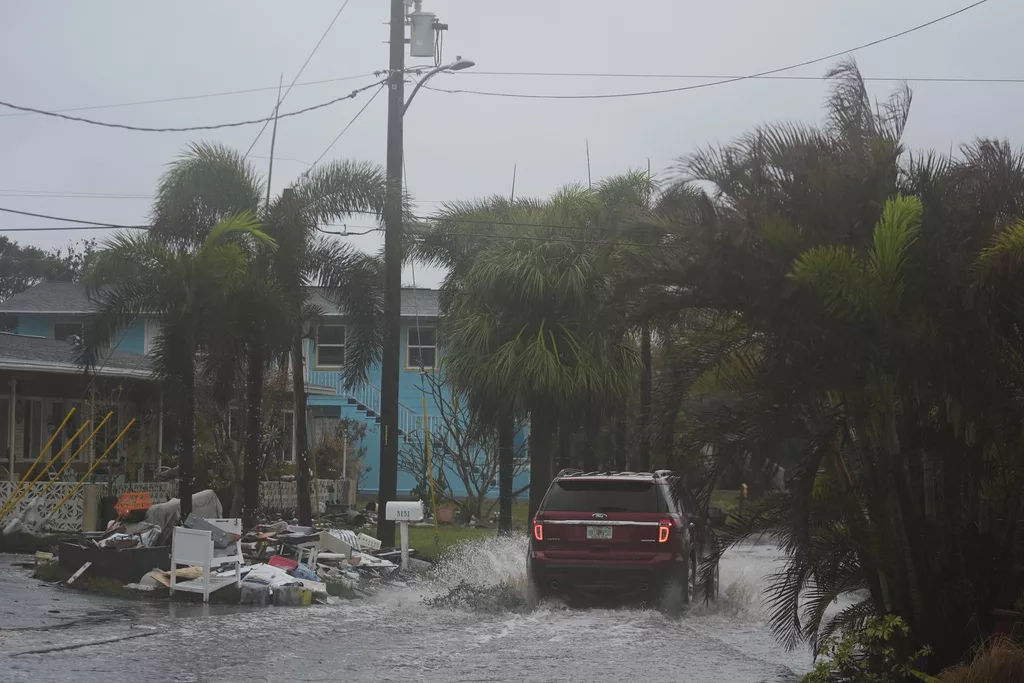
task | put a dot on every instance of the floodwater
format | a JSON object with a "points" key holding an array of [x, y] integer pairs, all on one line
{"points": [[420, 632]]}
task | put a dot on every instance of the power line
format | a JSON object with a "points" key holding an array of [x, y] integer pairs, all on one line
{"points": [[235, 124], [277, 105], [714, 83], [343, 130], [84, 224], [184, 98], [59, 195], [887, 79]]}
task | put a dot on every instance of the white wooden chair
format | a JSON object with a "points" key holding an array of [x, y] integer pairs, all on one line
{"points": [[194, 548]]}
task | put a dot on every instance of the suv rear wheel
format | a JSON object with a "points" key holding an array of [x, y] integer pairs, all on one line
{"points": [[679, 591], [534, 593]]}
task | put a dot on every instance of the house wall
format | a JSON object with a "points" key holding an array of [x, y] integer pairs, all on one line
{"points": [[411, 389], [42, 326]]}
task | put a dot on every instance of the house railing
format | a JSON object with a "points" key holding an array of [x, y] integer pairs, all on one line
{"points": [[366, 398]]}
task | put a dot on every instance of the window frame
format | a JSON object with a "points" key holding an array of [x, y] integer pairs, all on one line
{"points": [[409, 348], [79, 323], [329, 366]]}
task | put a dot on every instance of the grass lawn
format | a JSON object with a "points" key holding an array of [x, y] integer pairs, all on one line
{"points": [[729, 501], [422, 538]]}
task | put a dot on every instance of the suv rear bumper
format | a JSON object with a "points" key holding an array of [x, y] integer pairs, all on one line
{"points": [[585, 576]]}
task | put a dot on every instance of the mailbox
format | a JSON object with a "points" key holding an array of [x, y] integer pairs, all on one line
{"points": [[404, 511]]}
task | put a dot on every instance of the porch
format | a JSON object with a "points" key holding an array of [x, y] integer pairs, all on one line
{"points": [[40, 384]]}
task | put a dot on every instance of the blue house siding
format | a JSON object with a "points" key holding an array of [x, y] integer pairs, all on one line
{"points": [[38, 309], [410, 395], [134, 339]]}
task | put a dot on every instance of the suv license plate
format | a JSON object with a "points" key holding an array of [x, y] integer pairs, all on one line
{"points": [[601, 533]]}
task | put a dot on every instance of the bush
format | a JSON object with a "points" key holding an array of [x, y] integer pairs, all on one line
{"points": [[1001, 661], [878, 653]]}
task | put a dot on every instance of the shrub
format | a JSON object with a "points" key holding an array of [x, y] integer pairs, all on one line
{"points": [[878, 653]]}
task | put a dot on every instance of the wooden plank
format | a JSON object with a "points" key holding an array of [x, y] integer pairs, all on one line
{"points": [[81, 570]]}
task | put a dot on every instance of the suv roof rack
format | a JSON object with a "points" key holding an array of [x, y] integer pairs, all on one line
{"points": [[574, 472]]}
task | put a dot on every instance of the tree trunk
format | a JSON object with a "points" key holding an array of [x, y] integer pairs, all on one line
{"points": [[187, 459], [253, 435], [506, 454], [646, 380], [543, 428], [592, 433], [303, 472], [565, 433], [619, 456]]}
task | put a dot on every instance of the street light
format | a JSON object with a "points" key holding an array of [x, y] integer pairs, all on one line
{"points": [[458, 65]]}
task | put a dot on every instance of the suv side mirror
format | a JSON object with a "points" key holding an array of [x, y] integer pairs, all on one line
{"points": [[716, 516]]}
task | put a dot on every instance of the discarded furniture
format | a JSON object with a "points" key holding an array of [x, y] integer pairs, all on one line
{"points": [[124, 564], [195, 548]]}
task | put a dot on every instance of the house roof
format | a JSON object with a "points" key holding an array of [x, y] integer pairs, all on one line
{"points": [[70, 298], [24, 352]]}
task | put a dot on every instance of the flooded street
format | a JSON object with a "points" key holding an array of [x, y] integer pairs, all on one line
{"points": [[397, 636]]}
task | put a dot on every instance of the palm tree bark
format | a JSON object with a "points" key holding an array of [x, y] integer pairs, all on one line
{"points": [[592, 432], [187, 420], [619, 457], [646, 380], [506, 448], [543, 429], [565, 433], [303, 473], [253, 434]]}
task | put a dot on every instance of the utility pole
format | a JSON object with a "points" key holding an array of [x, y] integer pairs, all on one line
{"points": [[390, 371]]}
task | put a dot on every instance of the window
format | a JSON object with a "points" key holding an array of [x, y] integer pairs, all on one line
{"points": [[421, 349], [64, 331], [152, 329], [604, 496], [330, 346]]}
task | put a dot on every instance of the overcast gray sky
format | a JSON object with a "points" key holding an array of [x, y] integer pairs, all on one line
{"points": [[66, 54]]}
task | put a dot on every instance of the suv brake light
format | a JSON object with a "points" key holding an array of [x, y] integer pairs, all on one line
{"points": [[664, 530], [538, 531]]}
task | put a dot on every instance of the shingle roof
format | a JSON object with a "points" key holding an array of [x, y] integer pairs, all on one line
{"points": [[38, 353], [68, 298], [50, 297]]}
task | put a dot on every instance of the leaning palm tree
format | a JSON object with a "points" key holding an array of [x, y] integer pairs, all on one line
{"points": [[190, 291], [209, 181]]}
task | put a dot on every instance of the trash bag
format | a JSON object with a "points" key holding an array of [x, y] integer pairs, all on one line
{"points": [[30, 521]]}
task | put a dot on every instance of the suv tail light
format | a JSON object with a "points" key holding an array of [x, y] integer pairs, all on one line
{"points": [[664, 530], [538, 531]]}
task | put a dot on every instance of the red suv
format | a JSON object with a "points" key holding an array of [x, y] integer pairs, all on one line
{"points": [[631, 534]]}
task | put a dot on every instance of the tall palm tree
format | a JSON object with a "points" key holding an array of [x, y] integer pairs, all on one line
{"points": [[190, 291], [443, 244], [526, 319], [856, 314], [210, 180]]}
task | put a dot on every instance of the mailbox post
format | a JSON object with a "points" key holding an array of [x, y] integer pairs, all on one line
{"points": [[404, 512]]}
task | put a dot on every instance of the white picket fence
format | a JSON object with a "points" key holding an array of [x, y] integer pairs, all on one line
{"points": [[274, 495]]}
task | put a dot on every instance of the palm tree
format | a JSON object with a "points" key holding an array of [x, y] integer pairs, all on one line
{"points": [[211, 180], [850, 307], [189, 290], [526, 316]]}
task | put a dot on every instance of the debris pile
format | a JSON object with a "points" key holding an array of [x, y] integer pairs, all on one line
{"points": [[148, 547]]}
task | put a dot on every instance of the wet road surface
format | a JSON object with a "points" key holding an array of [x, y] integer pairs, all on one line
{"points": [[396, 635]]}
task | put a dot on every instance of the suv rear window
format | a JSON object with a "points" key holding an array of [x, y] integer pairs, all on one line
{"points": [[604, 496]]}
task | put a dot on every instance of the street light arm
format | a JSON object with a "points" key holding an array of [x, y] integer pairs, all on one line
{"points": [[420, 85]]}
